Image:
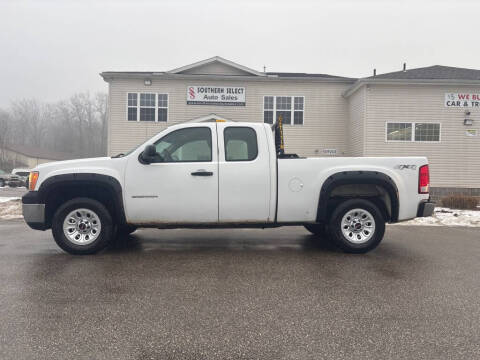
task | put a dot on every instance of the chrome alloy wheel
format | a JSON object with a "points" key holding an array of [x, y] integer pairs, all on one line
{"points": [[82, 226], [358, 226]]}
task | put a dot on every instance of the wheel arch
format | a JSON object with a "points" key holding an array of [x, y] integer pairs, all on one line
{"points": [[57, 189], [345, 178]]}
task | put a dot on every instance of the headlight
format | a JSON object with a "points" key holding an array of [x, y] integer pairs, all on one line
{"points": [[32, 180]]}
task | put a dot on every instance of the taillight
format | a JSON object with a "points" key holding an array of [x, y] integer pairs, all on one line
{"points": [[423, 180], [32, 180]]}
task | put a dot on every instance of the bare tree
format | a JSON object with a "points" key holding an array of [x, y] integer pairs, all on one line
{"points": [[5, 127], [27, 115], [77, 125], [101, 102]]}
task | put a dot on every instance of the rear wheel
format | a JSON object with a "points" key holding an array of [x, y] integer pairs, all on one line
{"points": [[357, 226], [82, 226], [2, 183]]}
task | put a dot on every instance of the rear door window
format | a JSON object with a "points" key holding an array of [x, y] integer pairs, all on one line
{"points": [[240, 144]]}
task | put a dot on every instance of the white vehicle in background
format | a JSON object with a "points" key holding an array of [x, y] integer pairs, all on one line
{"points": [[18, 177], [22, 174], [224, 174]]}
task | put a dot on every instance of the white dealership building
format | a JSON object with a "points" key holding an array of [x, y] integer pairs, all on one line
{"points": [[432, 111]]}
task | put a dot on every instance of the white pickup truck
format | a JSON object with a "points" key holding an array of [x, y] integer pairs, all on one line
{"points": [[224, 174]]}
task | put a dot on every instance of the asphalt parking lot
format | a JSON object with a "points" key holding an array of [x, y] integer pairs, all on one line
{"points": [[243, 294]]}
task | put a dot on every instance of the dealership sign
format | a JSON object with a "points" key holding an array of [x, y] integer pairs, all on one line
{"points": [[216, 95], [462, 100]]}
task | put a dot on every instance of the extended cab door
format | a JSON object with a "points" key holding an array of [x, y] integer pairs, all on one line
{"points": [[181, 185], [245, 174]]}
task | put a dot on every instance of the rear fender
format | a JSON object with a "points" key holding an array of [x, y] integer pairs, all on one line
{"points": [[357, 177]]}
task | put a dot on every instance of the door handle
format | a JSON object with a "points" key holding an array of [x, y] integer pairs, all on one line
{"points": [[202, 173]]}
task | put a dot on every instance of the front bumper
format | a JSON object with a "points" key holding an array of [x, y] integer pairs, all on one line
{"points": [[33, 211], [425, 208]]}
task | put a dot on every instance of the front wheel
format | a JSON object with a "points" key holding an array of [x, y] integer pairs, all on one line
{"points": [[2, 183], [82, 226], [357, 226]]}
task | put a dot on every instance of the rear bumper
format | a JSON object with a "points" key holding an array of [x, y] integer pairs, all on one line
{"points": [[33, 211], [425, 208]]}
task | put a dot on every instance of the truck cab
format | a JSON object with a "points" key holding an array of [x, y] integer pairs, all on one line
{"points": [[203, 173]]}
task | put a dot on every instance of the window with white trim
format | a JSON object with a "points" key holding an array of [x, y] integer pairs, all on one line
{"points": [[162, 107], [132, 106], [427, 132], [147, 107], [420, 132], [291, 109]]}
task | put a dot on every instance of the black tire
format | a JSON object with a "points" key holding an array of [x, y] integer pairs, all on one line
{"points": [[318, 230], [348, 242], [2, 183], [103, 239]]}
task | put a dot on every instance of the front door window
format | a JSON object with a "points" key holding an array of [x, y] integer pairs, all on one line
{"points": [[185, 145]]}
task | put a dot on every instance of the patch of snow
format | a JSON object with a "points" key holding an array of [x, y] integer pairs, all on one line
{"points": [[10, 208], [448, 217], [5, 199]]}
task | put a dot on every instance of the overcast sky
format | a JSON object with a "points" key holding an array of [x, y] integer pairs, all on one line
{"points": [[52, 49]]}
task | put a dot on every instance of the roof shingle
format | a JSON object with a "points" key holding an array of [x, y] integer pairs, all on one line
{"points": [[435, 72], [306, 75]]}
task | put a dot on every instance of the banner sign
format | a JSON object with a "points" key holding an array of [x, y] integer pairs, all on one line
{"points": [[455, 100], [216, 95]]}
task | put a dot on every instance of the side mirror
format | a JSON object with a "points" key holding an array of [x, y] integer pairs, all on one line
{"points": [[148, 155]]}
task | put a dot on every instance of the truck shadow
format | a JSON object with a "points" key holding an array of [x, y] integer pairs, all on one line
{"points": [[139, 242]]}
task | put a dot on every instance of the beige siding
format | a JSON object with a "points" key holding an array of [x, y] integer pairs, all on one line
{"points": [[215, 68], [455, 160], [325, 117], [356, 126]]}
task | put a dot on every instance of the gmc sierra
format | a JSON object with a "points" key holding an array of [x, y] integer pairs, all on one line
{"points": [[224, 174]]}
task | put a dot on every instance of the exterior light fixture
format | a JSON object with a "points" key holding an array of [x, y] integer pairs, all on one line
{"points": [[148, 82], [468, 122]]}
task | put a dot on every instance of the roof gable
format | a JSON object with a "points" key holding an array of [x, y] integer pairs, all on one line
{"points": [[216, 66], [210, 118]]}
